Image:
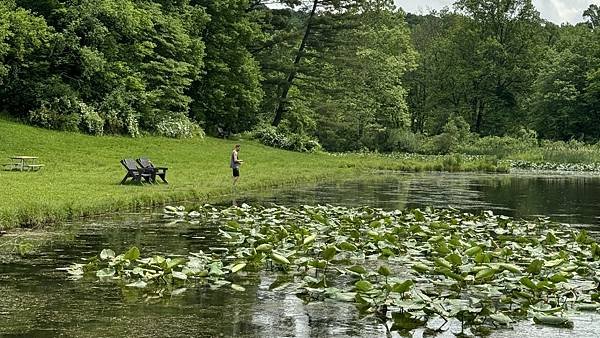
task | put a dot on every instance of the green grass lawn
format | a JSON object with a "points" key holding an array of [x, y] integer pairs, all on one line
{"points": [[82, 173]]}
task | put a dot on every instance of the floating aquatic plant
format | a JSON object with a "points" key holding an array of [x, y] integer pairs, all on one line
{"points": [[407, 268]]}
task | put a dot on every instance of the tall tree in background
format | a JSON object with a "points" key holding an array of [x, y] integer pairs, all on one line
{"points": [[229, 93], [321, 8], [593, 15], [25, 41], [506, 53], [118, 66], [362, 96], [478, 63], [566, 94]]}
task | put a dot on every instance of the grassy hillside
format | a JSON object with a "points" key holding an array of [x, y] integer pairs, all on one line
{"points": [[82, 173]]}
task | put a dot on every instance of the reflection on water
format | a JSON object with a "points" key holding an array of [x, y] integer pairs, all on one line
{"points": [[36, 300], [563, 198]]}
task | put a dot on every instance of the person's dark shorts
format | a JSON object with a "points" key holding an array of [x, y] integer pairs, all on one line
{"points": [[236, 172]]}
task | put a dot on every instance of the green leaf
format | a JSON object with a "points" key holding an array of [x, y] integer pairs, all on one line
{"points": [[171, 263], [238, 267], [403, 287], [510, 267], [132, 254], [264, 247], [528, 283], [454, 259], [420, 267], [501, 318], [358, 269], [560, 277], [279, 258], [485, 274], [404, 321], [554, 263], [309, 239], [363, 285], [384, 271], [472, 251], [443, 263], [179, 275], [535, 267], [553, 321], [106, 272], [449, 273], [346, 246], [238, 287], [329, 252], [139, 284]]}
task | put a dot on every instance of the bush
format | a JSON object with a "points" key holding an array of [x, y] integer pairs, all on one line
{"points": [[270, 136], [62, 113], [91, 122], [179, 127], [120, 111], [400, 140], [494, 145]]}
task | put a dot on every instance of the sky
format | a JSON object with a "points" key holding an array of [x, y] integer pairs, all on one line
{"points": [[557, 11]]}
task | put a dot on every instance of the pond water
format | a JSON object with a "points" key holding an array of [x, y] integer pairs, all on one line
{"points": [[37, 300]]}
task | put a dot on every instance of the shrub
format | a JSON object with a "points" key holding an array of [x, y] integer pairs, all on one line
{"points": [[62, 113], [400, 140], [178, 127], [494, 145], [91, 122], [120, 111], [270, 136]]}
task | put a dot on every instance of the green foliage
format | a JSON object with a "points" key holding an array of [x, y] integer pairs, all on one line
{"points": [[413, 266], [564, 102], [228, 94], [352, 74], [178, 127], [274, 137], [107, 66]]}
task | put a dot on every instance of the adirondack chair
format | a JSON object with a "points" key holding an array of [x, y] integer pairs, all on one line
{"points": [[157, 171], [136, 173]]}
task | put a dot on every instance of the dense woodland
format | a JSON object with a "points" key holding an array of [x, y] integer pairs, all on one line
{"points": [[345, 74]]}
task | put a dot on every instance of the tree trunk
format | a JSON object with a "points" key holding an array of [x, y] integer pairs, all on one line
{"points": [[479, 111], [282, 104]]}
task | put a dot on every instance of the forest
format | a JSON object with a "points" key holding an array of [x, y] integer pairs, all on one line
{"points": [[341, 75]]}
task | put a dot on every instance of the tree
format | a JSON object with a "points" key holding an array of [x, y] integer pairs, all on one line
{"points": [[25, 40], [316, 8], [229, 93], [593, 15], [565, 99], [508, 33]]}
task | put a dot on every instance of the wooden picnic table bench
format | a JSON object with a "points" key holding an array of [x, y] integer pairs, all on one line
{"points": [[23, 163]]}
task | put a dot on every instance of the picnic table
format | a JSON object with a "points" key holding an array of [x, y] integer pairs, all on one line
{"points": [[23, 163]]}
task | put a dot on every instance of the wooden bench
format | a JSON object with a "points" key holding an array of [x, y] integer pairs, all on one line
{"points": [[33, 167]]}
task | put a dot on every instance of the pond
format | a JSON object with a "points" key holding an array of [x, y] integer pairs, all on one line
{"points": [[37, 300]]}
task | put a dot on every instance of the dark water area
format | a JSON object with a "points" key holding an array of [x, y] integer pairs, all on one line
{"points": [[37, 300], [565, 198]]}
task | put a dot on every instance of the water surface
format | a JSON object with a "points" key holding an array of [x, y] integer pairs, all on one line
{"points": [[37, 300]]}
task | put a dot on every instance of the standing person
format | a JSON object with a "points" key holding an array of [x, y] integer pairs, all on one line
{"points": [[235, 164]]}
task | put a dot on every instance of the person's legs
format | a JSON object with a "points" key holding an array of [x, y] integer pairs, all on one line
{"points": [[236, 175]]}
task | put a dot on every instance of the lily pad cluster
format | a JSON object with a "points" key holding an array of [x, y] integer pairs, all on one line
{"points": [[157, 273], [408, 268], [553, 166]]}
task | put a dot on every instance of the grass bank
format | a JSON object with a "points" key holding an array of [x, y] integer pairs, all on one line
{"points": [[82, 173]]}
